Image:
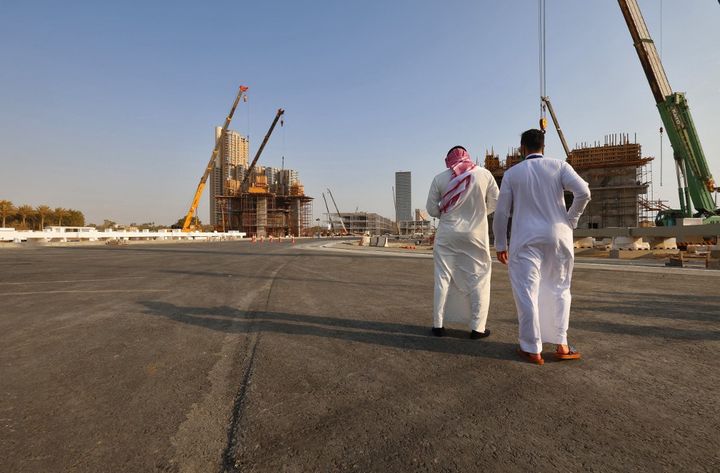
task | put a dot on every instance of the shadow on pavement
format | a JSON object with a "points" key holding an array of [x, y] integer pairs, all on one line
{"points": [[653, 305], [281, 251], [285, 278], [394, 335], [646, 330]]}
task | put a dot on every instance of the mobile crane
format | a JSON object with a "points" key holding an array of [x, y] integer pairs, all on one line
{"points": [[332, 225], [543, 123], [262, 146], [695, 182], [342, 224], [208, 169]]}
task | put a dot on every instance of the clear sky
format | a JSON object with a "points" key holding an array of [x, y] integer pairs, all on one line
{"points": [[109, 107]]}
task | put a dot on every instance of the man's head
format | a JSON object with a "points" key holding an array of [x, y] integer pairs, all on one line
{"points": [[457, 154], [456, 147], [532, 141]]}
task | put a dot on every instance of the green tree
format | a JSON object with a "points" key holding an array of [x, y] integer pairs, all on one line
{"points": [[6, 208], [25, 211], [59, 213], [195, 222], [74, 218], [107, 224], [42, 212]]}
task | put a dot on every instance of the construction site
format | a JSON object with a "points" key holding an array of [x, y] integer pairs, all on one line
{"points": [[258, 201], [262, 209], [620, 180]]}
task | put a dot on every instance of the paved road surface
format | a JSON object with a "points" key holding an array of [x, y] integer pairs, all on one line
{"points": [[247, 357]]}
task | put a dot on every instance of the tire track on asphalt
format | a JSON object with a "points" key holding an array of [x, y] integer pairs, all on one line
{"points": [[234, 435]]}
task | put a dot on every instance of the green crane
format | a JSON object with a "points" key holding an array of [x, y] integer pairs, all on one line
{"points": [[695, 182]]}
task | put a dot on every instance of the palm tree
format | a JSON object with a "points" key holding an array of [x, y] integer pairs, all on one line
{"points": [[59, 214], [6, 208], [25, 211], [42, 212]]}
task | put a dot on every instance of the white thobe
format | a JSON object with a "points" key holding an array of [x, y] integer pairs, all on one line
{"points": [[462, 250], [541, 244]]}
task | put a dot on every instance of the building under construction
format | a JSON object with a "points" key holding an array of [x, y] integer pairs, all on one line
{"points": [[360, 223], [272, 203], [618, 176]]}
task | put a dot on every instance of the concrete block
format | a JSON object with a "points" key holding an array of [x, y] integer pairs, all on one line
{"points": [[383, 241], [584, 242], [604, 244], [663, 244], [629, 243], [365, 241], [684, 222], [374, 240]]}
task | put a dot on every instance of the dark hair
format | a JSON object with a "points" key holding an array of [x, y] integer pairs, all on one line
{"points": [[533, 140], [456, 147]]}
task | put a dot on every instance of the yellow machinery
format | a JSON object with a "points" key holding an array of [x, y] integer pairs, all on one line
{"points": [[203, 180]]}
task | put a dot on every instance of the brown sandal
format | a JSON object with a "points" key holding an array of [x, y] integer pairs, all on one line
{"points": [[535, 358], [570, 355]]}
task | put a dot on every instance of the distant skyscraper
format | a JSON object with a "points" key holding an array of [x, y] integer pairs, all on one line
{"points": [[403, 196], [233, 153]]}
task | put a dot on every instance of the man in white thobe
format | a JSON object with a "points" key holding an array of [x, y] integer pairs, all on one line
{"points": [[462, 197], [540, 256]]}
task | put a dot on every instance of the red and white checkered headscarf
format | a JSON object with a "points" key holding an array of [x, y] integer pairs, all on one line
{"points": [[459, 161]]}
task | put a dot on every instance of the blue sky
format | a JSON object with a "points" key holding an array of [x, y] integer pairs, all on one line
{"points": [[109, 107]]}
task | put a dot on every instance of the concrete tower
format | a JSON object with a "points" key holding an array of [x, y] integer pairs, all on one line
{"points": [[403, 196], [233, 153]]}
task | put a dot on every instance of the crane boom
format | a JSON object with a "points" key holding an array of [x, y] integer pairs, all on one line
{"points": [[211, 163], [546, 101], [697, 183], [332, 226], [262, 146], [338, 212]]}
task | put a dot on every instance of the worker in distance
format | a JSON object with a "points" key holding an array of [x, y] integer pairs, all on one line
{"points": [[462, 197], [540, 256]]}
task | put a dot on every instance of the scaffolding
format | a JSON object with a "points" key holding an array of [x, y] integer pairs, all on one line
{"points": [[619, 178], [361, 223], [266, 214]]}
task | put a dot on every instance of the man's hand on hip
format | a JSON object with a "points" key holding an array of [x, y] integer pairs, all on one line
{"points": [[502, 256]]}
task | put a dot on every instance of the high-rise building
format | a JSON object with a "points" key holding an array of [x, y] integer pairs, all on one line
{"points": [[403, 196], [232, 155]]}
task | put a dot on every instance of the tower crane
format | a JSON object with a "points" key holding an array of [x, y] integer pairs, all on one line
{"points": [[211, 164]]}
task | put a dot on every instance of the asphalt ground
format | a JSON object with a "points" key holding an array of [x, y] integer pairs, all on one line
{"points": [[234, 356]]}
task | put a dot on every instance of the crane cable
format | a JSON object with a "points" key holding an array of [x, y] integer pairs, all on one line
{"points": [[661, 128], [282, 125], [247, 131], [541, 63]]}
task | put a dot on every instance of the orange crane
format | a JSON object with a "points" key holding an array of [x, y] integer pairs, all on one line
{"points": [[203, 180]]}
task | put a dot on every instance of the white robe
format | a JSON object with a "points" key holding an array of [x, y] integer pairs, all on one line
{"points": [[541, 245], [462, 251]]}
